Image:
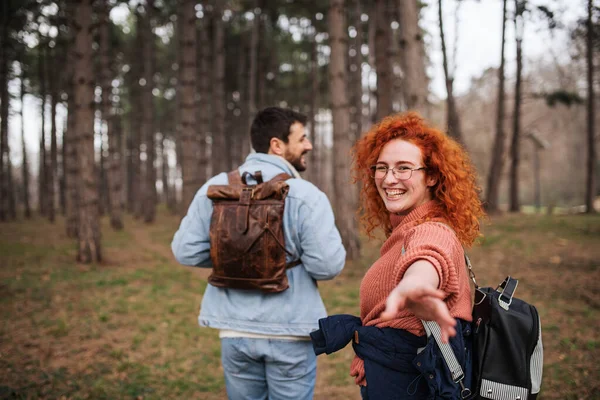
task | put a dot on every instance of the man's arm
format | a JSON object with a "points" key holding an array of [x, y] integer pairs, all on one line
{"points": [[323, 254], [191, 243]]}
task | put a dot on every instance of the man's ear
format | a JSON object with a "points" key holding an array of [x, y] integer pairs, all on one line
{"points": [[276, 147]]}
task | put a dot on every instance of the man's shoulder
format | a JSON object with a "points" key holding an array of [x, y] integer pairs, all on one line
{"points": [[304, 190]]}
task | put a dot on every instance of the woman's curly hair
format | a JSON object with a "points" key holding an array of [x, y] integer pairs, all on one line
{"points": [[455, 192]]}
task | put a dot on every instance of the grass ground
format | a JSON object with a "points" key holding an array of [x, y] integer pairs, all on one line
{"points": [[126, 328]]}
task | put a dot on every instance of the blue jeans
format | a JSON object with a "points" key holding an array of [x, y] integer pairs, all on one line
{"points": [[257, 369]]}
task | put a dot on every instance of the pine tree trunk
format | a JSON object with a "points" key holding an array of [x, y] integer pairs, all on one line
{"points": [[411, 59], [497, 161], [263, 60], [313, 157], [53, 165], [220, 156], [62, 183], [42, 175], [515, 142], [89, 249], [204, 48], [590, 189], [453, 120], [25, 167], [4, 99], [355, 89], [344, 204], [70, 140], [187, 86], [382, 60], [114, 151], [252, 71], [148, 172]]}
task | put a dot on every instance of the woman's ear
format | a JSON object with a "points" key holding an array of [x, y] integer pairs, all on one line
{"points": [[276, 147], [431, 181]]}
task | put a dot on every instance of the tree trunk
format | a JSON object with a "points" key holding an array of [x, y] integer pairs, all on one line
{"points": [[53, 167], [590, 190], [25, 166], [314, 166], [263, 59], [89, 228], [62, 183], [411, 58], [109, 117], [382, 60], [251, 79], [497, 161], [344, 203], [187, 86], [70, 140], [4, 110], [515, 142], [42, 176], [164, 170], [453, 120], [148, 131], [204, 114], [356, 73], [220, 154]]}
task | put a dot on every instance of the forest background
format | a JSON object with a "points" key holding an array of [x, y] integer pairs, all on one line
{"points": [[142, 101]]}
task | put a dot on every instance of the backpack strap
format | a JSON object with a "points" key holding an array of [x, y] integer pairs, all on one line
{"points": [[432, 328], [234, 177]]}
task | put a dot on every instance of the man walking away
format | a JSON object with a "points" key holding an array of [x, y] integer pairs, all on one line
{"points": [[265, 345]]}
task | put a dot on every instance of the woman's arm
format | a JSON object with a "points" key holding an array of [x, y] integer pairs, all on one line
{"points": [[418, 292]]}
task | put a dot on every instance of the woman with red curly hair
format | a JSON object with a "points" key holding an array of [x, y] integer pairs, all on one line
{"points": [[419, 186]]}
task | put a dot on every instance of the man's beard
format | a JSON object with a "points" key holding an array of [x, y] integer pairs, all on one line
{"points": [[296, 161]]}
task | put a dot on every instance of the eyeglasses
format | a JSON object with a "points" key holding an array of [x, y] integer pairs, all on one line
{"points": [[402, 173]]}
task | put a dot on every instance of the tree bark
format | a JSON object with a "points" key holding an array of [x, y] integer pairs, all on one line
{"points": [[411, 58], [4, 99], [89, 249], [108, 115], [382, 60], [251, 79], [314, 165], [25, 167], [515, 142], [453, 120], [42, 174], [53, 167], [148, 131], [344, 203], [204, 114], [497, 161], [220, 154], [590, 190], [187, 86]]}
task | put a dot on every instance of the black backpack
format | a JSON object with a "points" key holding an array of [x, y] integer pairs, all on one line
{"points": [[507, 345]]}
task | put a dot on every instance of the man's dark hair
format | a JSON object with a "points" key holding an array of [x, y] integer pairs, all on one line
{"points": [[273, 122]]}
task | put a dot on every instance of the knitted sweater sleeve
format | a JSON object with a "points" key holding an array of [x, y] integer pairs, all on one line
{"points": [[438, 244]]}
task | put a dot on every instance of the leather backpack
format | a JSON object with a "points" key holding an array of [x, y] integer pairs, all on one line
{"points": [[247, 243]]}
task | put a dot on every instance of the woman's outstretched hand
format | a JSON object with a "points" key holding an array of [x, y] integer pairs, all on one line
{"points": [[418, 295]]}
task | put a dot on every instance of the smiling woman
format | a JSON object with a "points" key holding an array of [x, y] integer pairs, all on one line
{"points": [[428, 207]]}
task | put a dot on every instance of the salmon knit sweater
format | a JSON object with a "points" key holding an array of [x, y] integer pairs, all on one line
{"points": [[422, 237]]}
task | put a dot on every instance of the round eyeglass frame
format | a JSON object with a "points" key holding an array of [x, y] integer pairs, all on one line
{"points": [[373, 169]]}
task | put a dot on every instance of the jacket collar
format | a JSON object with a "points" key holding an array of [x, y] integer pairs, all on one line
{"points": [[275, 160]]}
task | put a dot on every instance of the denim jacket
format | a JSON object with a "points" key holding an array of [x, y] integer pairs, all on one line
{"points": [[310, 235]]}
